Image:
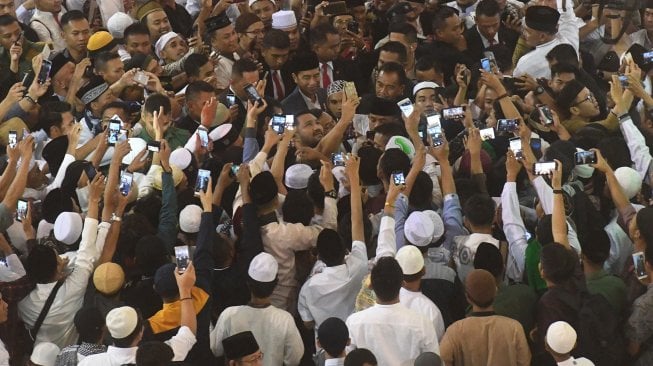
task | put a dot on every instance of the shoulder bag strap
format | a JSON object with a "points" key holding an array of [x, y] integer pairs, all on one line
{"points": [[44, 312]]}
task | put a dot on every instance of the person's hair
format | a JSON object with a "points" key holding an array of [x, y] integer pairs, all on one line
{"points": [[275, 38], [563, 151], [387, 278], [344, 229], [150, 254], [136, 29], [6, 20], [242, 66], [369, 157], [116, 104], [193, 63], [420, 196], [426, 63], [391, 129], [564, 68], [334, 336], [42, 263], [154, 353], [488, 8], [196, 87], [567, 97], [222, 249], [360, 357], [406, 29], [129, 340], [103, 58], [441, 16], [50, 115], [155, 101], [395, 47], [315, 190], [393, 67], [89, 323], [297, 208], [615, 150], [299, 114], [317, 113], [394, 160], [329, 248], [479, 210], [648, 254], [544, 230], [558, 263], [70, 16], [261, 290], [564, 53], [596, 246], [319, 33]]}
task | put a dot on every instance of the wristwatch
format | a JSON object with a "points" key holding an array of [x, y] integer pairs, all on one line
{"points": [[115, 218], [332, 193], [539, 90]]}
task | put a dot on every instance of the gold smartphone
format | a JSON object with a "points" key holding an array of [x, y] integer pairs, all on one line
{"points": [[350, 90]]}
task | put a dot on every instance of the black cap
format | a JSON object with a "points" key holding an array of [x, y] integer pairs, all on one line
{"points": [[58, 62], [239, 345], [217, 22], [384, 107], [165, 283], [397, 11], [304, 61], [263, 188], [542, 18], [54, 152]]}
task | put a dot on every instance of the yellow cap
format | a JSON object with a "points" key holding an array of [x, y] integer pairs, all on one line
{"points": [[99, 40]]}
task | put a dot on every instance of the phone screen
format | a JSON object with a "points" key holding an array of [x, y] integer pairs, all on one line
{"points": [[278, 123], [114, 132], [585, 157], [546, 115], [487, 134], [486, 65], [290, 122], [406, 107], [252, 93], [204, 137], [234, 169], [182, 254], [545, 168], [21, 210], [398, 178], [434, 129], [453, 113], [12, 139], [202, 182], [515, 147], [153, 146], [125, 183], [231, 100], [338, 159], [44, 73], [507, 125], [640, 269]]}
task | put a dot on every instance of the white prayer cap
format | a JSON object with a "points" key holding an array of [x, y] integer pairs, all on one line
{"points": [[163, 41], [297, 176], [410, 259], [424, 85], [419, 229], [284, 20], [181, 157], [438, 224], [122, 321], [561, 337], [44, 354], [117, 24], [136, 144], [629, 180], [402, 143], [68, 227], [189, 219], [263, 268]]}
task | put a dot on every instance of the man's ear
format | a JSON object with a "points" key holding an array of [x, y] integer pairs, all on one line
{"points": [[294, 77], [574, 111]]}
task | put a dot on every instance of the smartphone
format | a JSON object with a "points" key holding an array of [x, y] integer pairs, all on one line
{"points": [[125, 182], [202, 182], [90, 171], [536, 144], [278, 123], [154, 146], [515, 147], [336, 7], [585, 157], [623, 79], [486, 64], [507, 125], [114, 132], [453, 113], [350, 90], [231, 99], [182, 254], [648, 57], [545, 115], [204, 137], [44, 73], [46, 51], [640, 269], [406, 107], [545, 168], [370, 135], [234, 170], [509, 82], [398, 178], [21, 210], [12, 138], [434, 129], [252, 93], [422, 131], [141, 78], [628, 57], [353, 27], [290, 122], [338, 159], [487, 134]]}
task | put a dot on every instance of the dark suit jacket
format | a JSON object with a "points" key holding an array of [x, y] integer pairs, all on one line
{"points": [[475, 49], [295, 102], [286, 78]]}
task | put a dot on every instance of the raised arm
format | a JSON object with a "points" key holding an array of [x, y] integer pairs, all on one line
{"points": [[203, 260], [616, 192], [278, 163], [513, 225], [185, 283], [352, 165], [329, 143], [15, 191], [250, 146], [387, 245], [167, 229], [558, 218]]}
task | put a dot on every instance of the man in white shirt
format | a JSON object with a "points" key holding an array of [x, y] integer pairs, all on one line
{"points": [[411, 261], [45, 22], [273, 328], [544, 29], [395, 334]]}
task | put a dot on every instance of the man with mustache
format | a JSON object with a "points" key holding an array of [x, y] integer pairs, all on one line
{"points": [[307, 94]]}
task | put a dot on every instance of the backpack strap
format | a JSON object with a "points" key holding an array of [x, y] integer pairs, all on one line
{"points": [[44, 312], [43, 24]]}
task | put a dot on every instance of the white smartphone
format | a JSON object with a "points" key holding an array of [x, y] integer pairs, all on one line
{"points": [[406, 107], [487, 134], [640, 268]]}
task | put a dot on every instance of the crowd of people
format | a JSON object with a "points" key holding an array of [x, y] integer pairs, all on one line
{"points": [[302, 182]]}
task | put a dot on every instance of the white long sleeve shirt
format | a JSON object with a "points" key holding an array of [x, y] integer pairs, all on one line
{"points": [[14, 269], [639, 151], [515, 230], [421, 304], [58, 326]]}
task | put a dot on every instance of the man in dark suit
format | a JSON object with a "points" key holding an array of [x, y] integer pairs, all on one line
{"points": [[244, 71], [325, 42], [489, 31], [308, 94], [274, 51]]}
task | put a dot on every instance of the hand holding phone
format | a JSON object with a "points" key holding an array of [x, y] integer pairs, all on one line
{"points": [[182, 256], [338, 159], [202, 182], [545, 168], [126, 179], [21, 210], [398, 178], [12, 139], [585, 157]]}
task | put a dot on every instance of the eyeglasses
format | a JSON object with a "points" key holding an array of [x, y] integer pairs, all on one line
{"points": [[590, 97], [254, 359]]}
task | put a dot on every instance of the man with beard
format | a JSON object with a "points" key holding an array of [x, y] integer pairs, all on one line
{"points": [[307, 94], [155, 19]]}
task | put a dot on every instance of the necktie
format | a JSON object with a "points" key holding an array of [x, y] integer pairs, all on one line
{"points": [[278, 89], [326, 80], [492, 42]]}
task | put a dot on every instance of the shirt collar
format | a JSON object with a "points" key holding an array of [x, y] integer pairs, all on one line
{"points": [[334, 362], [486, 42], [330, 63]]}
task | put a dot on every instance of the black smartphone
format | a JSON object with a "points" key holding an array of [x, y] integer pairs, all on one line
{"points": [[545, 168], [44, 73], [370, 135], [507, 125], [202, 182], [640, 269], [182, 255], [398, 178], [336, 7], [90, 171], [154, 146], [353, 27], [252, 93], [422, 131], [585, 157], [278, 123]]}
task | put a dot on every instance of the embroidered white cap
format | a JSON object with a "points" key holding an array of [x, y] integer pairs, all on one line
{"points": [[263, 268]]}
